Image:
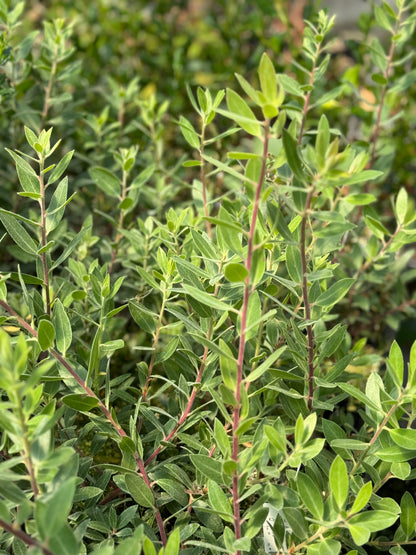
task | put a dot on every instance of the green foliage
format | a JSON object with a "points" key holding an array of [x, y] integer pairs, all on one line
{"points": [[198, 289]]}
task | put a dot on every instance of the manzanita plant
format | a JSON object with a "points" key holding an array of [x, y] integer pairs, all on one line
{"points": [[190, 373]]}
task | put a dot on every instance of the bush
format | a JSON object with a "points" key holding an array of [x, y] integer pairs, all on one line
{"points": [[196, 312]]}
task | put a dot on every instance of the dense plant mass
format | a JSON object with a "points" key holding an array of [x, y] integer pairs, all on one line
{"points": [[200, 287]]}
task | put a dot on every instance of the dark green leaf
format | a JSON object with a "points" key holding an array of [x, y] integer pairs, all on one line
{"points": [[138, 489], [310, 495], [80, 403], [106, 181], [209, 467], [17, 232]]}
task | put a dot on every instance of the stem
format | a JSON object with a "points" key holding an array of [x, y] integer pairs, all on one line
{"points": [[119, 235], [48, 90], [376, 435], [242, 341], [154, 347], [203, 181], [26, 446], [28, 540], [305, 293], [44, 238], [100, 405], [186, 412]]}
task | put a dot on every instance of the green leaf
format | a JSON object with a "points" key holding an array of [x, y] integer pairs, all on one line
{"points": [[360, 199], [396, 454], [363, 497], [396, 363], [374, 521], [139, 491], [276, 439], [335, 293], [235, 272], [354, 444], [310, 495], [17, 232], [174, 489], [325, 547], [248, 89], [219, 501], [189, 132], [228, 366], [241, 113], [294, 263], [339, 482], [360, 534], [173, 544], [322, 140], [144, 318], [358, 394], [80, 402], [292, 155], [46, 334], [207, 299], [401, 205], [109, 347], [60, 167], [27, 175], [54, 508], [404, 437], [62, 327], [106, 181], [408, 514], [208, 467], [266, 364], [57, 205]]}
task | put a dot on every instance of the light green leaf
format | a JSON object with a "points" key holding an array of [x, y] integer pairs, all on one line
{"points": [[358, 394], [266, 364], [294, 263], [109, 347], [235, 272], [17, 232], [106, 181], [62, 327], [401, 205], [322, 140], [408, 514], [404, 437], [360, 534], [310, 495], [228, 366], [46, 334], [189, 132], [363, 497], [173, 544], [207, 299], [60, 167], [325, 547], [335, 293], [57, 205], [396, 363], [139, 491], [374, 521], [174, 489], [360, 199], [27, 175], [339, 482], [219, 501], [242, 113]]}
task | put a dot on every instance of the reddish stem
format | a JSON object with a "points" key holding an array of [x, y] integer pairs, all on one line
{"points": [[28, 540]]}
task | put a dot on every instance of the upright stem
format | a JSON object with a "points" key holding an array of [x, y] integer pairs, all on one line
{"points": [[27, 455], [305, 293], [242, 341], [203, 181], [44, 239], [119, 235], [48, 91]]}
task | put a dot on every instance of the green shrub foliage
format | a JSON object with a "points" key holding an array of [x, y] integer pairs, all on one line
{"points": [[200, 287]]}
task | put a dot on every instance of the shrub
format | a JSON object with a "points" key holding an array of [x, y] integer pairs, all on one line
{"points": [[184, 356]]}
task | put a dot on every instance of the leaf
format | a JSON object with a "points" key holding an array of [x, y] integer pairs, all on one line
{"points": [[294, 263], [60, 167], [174, 489], [106, 181], [144, 318], [62, 327], [189, 132], [27, 175], [395, 454], [359, 534], [374, 521], [408, 514], [241, 113], [80, 402], [235, 272], [335, 293], [109, 347], [404, 437], [57, 205], [56, 507], [46, 334], [173, 544], [360, 199], [325, 547], [358, 394], [354, 444], [292, 155], [207, 299], [396, 363], [322, 140], [139, 491], [363, 497], [339, 482], [209, 467], [265, 365], [310, 495], [17, 232], [228, 366], [219, 501]]}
